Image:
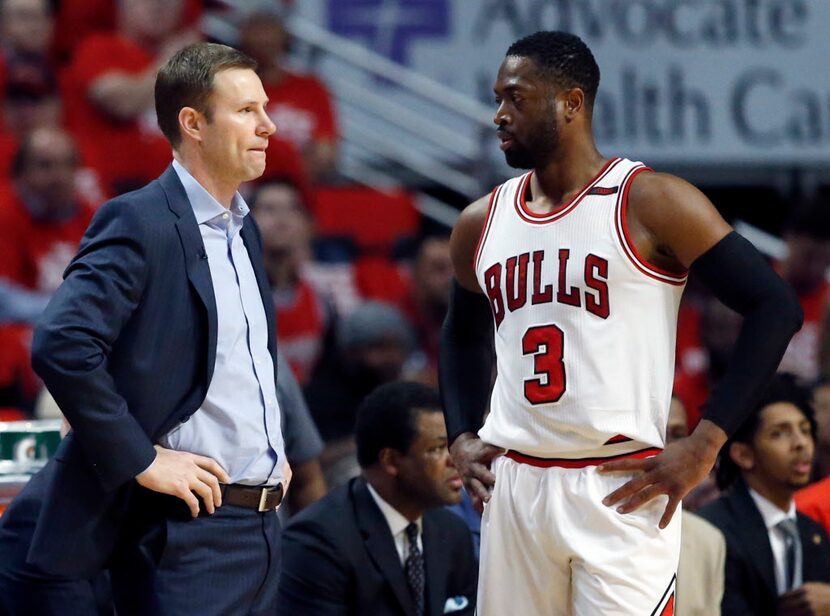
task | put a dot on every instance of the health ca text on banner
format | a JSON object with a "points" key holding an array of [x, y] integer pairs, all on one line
{"points": [[697, 81]]}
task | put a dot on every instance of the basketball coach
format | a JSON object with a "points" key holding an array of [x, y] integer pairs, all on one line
{"points": [[159, 348]]}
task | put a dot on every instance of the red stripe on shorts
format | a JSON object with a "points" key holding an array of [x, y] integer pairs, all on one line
{"points": [[578, 462], [669, 609]]}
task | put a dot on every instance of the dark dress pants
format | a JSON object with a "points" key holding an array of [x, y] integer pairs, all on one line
{"points": [[172, 564]]}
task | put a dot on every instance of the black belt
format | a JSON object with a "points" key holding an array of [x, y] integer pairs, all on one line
{"points": [[251, 497]]}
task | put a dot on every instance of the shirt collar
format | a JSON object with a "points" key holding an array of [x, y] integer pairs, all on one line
{"points": [[396, 521], [205, 206], [771, 513]]}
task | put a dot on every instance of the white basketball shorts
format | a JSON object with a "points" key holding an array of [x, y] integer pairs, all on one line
{"points": [[549, 547]]}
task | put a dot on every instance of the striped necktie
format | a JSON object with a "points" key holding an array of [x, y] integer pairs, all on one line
{"points": [[414, 569], [792, 558]]}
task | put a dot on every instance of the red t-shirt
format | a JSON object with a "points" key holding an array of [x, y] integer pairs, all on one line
{"points": [[300, 106], [33, 254], [301, 326], [77, 19], [128, 153]]}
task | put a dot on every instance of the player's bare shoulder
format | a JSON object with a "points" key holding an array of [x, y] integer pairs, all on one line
{"points": [[671, 221], [464, 240]]}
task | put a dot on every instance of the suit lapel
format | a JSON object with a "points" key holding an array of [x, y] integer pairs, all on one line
{"points": [[811, 551], [750, 528], [380, 544], [195, 257], [252, 245], [436, 566]]}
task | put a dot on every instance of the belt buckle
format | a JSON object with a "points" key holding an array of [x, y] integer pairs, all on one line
{"points": [[263, 496]]}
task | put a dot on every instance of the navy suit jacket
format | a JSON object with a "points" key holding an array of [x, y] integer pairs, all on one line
{"points": [[749, 585], [339, 559], [127, 348]]}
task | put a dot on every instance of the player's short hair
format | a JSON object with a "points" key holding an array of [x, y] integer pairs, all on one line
{"points": [[186, 80], [783, 388], [387, 417], [562, 58]]}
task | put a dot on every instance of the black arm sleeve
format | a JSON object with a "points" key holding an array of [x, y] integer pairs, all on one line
{"points": [[739, 276], [465, 362]]}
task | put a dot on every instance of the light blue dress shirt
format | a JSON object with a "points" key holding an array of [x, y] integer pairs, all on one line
{"points": [[238, 424]]}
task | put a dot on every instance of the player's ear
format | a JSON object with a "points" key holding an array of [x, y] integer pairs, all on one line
{"points": [[742, 455], [573, 102]]}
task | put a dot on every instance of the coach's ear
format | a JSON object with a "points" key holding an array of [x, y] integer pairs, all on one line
{"points": [[191, 122], [742, 455]]}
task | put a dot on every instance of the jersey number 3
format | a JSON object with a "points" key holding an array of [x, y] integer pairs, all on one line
{"points": [[546, 344]]}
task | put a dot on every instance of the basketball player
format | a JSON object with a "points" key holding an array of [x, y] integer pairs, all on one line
{"points": [[577, 268]]}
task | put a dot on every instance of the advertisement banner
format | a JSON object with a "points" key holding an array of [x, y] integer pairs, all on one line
{"points": [[683, 81]]}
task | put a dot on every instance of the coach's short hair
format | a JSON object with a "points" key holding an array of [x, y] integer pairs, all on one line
{"points": [[186, 80], [783, 388], [387, 417], [562, 58]]}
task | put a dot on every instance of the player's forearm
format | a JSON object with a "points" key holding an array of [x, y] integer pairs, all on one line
{"points": [[708, 438], [466, 360], [738, 276]]}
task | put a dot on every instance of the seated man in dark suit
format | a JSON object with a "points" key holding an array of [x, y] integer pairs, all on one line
{"points": [[382, 544], [777, 560]]}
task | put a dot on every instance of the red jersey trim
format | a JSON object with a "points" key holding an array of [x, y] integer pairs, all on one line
{"points": [[652, 271], [485, 230], [526, 214], [578, 462]]}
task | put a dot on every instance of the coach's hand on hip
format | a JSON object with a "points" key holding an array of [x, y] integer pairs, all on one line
{"points": [[472, 457], [184, 475], [674, 472]]}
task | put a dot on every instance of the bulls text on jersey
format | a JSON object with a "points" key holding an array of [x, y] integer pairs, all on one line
{"points": [[509, 287]]}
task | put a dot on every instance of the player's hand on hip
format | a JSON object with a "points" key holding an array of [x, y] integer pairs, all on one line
{"points": [[472, 457], [674, 472], [185, 476]]}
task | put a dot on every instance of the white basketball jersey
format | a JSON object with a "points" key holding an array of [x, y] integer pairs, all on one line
{"points": [[584, 328]]}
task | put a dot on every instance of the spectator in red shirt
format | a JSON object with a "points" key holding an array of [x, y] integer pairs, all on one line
{"points": [[108, 92], [42, 220], [30, 101], [26, 28], [719, 329], [75, 20], [303, 316], [300, 105]]}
